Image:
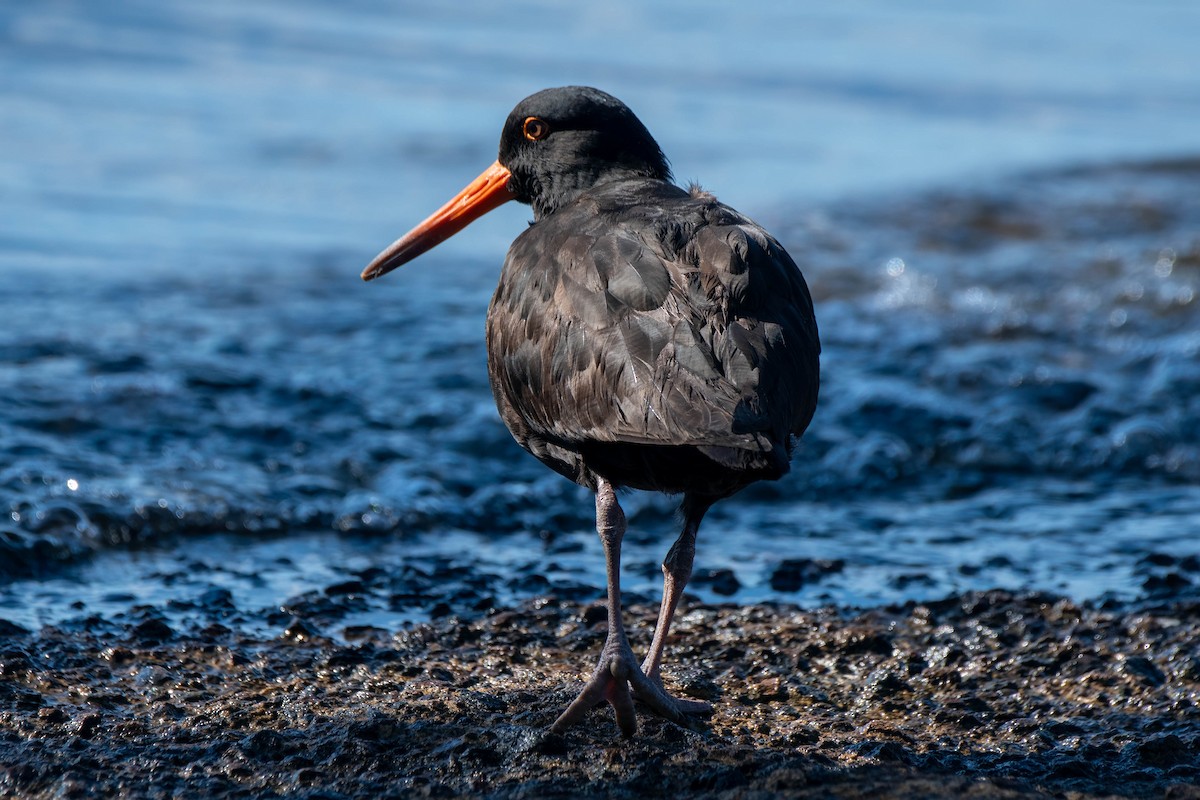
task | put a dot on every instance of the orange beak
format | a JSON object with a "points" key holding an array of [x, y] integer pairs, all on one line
{"points": [[483, 194]]}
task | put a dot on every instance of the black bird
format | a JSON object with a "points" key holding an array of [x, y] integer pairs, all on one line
{"points": [[642, 335]]}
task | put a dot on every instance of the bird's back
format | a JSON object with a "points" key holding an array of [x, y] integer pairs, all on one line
{"points": [[654, 337]]}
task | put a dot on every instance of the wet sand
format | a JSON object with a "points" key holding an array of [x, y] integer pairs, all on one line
{"points": [[979, 695]]}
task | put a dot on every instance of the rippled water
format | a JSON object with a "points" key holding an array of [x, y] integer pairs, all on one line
{"points": [[197, 392]]}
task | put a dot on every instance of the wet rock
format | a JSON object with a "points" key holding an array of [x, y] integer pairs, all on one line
{"points": [[11, 629], [1158, 559], [53, 715], [1168, 584], [15, 662], [816, 703], [345, 587], [695, 683], [763, 691], [1144, 669], [18, 697], [886, 752], [595, 614], [859, 642], [87, 725], [118, 655], [792, 574], [519, 741], [1164, 751], [152, 630], [1187, 668], [884, 684], [354, 633], [265, 745], [215, 631], [299, 631], [217, 598], [722, 581]]}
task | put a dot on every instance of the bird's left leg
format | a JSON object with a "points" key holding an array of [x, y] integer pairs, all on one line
{"points": [[677, 569], [617, 669]]}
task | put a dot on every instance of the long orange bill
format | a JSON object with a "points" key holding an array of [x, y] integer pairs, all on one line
{"points": [[483, 194]]}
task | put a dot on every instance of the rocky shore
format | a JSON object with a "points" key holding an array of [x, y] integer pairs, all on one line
{"points": [[979, 695]]}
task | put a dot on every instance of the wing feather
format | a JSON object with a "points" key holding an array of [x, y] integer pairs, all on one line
{"points": [[679, 322]]}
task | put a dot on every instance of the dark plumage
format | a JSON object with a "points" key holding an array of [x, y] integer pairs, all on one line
{"points": [[646, 317], [641, 336]]}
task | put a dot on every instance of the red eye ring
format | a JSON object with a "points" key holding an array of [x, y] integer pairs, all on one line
{"points": [[535, 128]]}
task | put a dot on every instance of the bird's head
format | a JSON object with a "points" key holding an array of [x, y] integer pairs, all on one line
{"points": [[559, 142], [555, 144]]}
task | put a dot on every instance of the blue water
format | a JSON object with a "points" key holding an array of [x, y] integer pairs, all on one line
{"points": [[996, 209], [187, 136]]}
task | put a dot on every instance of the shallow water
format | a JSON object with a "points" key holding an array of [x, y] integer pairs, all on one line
{"points": [[197, 393]]}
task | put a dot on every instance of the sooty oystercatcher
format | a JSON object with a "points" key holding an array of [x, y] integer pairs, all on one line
{"points": [[642, 335]]}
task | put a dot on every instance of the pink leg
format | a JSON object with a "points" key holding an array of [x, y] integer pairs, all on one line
{"points": [[677, 569], [617, 669]]}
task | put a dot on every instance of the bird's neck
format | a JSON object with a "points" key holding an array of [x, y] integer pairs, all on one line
{"points": [[554, 190]]}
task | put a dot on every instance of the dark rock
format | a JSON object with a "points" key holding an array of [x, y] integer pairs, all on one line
{"points": [[1170, 583], [1145, 669], [353, 633], [792, 574], [298, 631], [595, 614], [265, 745], [696, 683], [152, 630], [719, 779], [722, 581], [216, 598], [1164, 751], [931, 701], [118, 655], [884, 684], [87, 726], [1159, 559], [858, 642], [214, 631], [15, 662], [53, 715], [345, 587], [11, 628], [1072, 768], [886, 751]]}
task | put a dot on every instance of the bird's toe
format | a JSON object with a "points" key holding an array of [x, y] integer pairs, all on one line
{"points": [[617, 681], [608, 684]]}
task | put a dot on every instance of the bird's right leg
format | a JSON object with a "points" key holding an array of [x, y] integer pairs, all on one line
{"points": [[617, 668]]}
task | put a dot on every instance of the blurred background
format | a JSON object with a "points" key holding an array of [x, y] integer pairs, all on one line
{"points": [[186, 135], [996, 209]]}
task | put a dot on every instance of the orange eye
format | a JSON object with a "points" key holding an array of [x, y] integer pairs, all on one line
{"points": [[535, 129]]}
